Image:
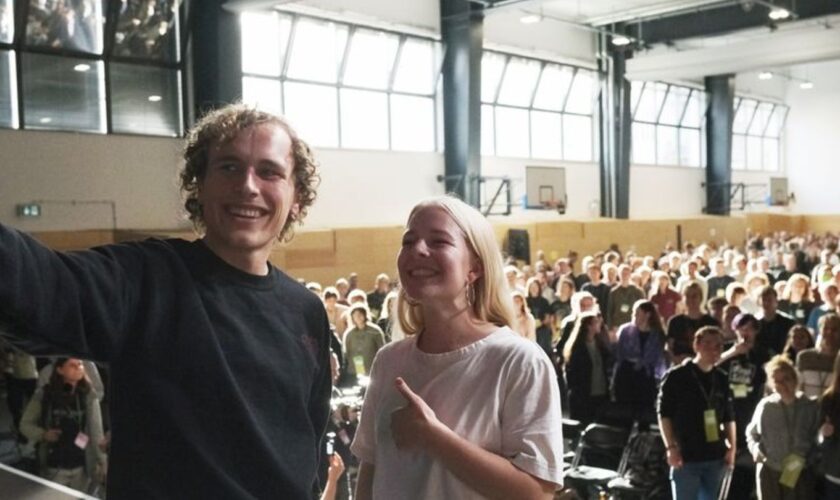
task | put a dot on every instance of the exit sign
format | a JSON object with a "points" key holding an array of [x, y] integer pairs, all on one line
{"points": [[29, 210]]}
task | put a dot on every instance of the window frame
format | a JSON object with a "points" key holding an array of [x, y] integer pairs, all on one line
{"points": [[18, 47]]}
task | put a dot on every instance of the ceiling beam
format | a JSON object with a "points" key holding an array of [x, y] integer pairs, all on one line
{"points": [[721, 20]]}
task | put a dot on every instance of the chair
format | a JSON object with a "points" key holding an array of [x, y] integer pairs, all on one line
{"points": [[598, 457], [643, 473], [571, 435]]}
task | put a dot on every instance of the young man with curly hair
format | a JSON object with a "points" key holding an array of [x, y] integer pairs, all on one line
{"points": [[219, 361]]}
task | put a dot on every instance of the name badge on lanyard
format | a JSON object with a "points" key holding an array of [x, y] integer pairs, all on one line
{"points": [[792, 467], [710, 423]]}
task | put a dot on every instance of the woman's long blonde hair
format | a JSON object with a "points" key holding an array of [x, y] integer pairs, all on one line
{"points": [[492, 297]]}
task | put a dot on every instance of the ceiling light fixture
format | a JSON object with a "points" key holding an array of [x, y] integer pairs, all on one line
{"points": [[765, 75], [81, 68], [620, 40], [155, 98], [530, 19], [806, 85], [779, 14], [45, 119]]}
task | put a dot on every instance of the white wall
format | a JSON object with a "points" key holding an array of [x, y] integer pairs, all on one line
{"points": [[813, 136], [138, 173]]}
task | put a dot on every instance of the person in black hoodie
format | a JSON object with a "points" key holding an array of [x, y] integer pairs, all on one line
{"points": [[220, 363], [587, 365]]}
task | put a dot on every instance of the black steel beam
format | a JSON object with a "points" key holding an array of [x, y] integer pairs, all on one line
{"points": [[721, 94], [216, 56], [616, 126], [462, 31], [722, 20]]}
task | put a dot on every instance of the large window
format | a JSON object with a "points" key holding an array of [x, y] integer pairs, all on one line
{"points": [[537, 109], [756, 134], [348, 86], [668, 124], [91, 65], [343, 85]]}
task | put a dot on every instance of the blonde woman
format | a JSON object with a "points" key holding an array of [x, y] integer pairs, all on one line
{"points": [[797, 299], [463, 407], [523, 321], [781, 436]]}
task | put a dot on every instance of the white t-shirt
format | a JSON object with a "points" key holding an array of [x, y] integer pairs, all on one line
{"points": [[499, 393]]}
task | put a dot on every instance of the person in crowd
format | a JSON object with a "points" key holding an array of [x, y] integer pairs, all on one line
{"points": [[361, 343], [463, 407], [524, 322], [583, 278], [537, 303], [674, 267], [622, 298], [696, 420], [343, 287], [335, 310], [334, 473], [598, 289], [581, 302], [736, 295], [314, 287], [781, 434], [730, 312], [719, 280], [790, 268], [587, 365], [691, 274], [562, 305], [740, 265], [681, 327], [376, 297], [829, 434], [828, 294], [664, 296], [562, 270], [353, 283], [355, 296], [774, 325], [21, 379], [797, 299], [743, 363], [388, 322], [609, 271], [207, 337], [64, 420], [715, 306], [799, 339], [640, 359], [815, 365]]}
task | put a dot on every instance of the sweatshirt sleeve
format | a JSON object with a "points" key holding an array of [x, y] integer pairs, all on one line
{"points": [[29, 421], [74, 303]]}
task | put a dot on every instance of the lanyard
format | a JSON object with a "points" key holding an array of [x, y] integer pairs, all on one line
{"points": [[708, 396]]}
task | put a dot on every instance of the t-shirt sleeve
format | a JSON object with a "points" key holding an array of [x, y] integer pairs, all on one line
{"points": [[532, 433], [667, 396], [364, 442]]}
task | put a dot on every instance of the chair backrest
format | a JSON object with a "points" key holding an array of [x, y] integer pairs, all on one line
{"points": [[601, 446]]}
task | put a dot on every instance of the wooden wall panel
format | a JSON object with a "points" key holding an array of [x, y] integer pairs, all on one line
{"points": [[323, 255], [75, 240]]}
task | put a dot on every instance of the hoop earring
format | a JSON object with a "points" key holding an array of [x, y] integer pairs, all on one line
{"points": [[470, 294]]}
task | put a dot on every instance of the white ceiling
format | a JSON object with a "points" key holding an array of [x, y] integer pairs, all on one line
{"points": [[599, 12]]}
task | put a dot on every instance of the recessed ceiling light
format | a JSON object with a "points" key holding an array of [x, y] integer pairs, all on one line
{"points": [[620, 40], [155, 98], [81, 68], [806, 85], [530, 19], [45, 119], [779, 14], [765, 75]]}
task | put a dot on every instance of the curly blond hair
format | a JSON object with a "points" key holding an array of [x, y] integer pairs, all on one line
{"points": [[223, 125]]}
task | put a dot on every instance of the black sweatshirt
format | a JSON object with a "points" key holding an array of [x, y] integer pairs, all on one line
{"points": [[221, 379]]}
